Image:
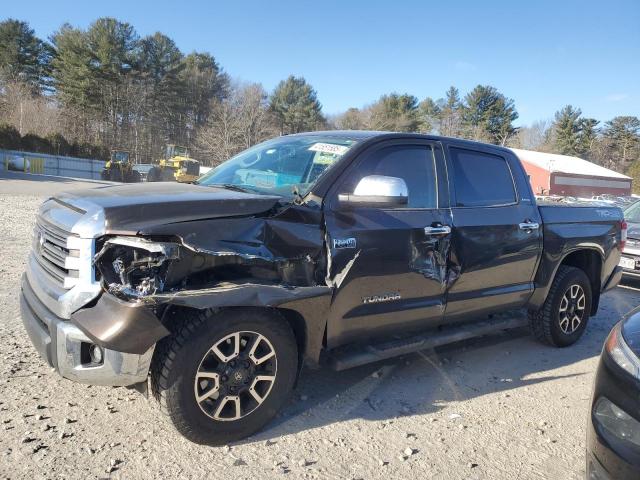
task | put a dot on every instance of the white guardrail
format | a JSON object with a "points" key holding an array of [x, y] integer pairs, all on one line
{"points": [[50, 164]]}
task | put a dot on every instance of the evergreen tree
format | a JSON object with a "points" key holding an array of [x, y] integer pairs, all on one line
{"points": [[429, 113], [160, 64], [450, 116], [634, 173], [203, 81], [623, 136], [488, 115], [72, 74], [23, 56], [587, 137], [566, 131], [295, 106], [396, 113]]}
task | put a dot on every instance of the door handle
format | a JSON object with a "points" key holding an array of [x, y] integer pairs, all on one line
{"points": [[438, 230], [529, 226]]}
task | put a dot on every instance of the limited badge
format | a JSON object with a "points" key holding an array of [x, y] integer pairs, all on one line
{"points": [[344, 243]]}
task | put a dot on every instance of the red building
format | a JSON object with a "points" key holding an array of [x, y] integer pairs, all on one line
{"points": [[552, 174]]}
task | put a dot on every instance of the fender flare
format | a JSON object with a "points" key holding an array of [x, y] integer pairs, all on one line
{"points": [[541, 291], [133, 327]]}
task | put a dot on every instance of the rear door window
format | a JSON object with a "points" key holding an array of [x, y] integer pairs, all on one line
{"points": [[481, 179]]}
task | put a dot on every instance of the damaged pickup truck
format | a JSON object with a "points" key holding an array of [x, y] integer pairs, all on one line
{"points": [[337, 248]]}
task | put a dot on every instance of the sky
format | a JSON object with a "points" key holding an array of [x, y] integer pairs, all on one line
{"points": [[543, 54]]}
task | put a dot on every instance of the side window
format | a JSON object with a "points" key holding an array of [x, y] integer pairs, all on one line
{"points": [[481, 179], [414, 164]]}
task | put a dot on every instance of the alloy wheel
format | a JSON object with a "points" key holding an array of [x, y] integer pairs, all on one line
{"points": [[235, 376], [572, 307]]}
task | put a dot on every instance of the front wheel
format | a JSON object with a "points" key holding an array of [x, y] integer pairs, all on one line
{"points": [[222, 376], [563, 318], [153, 175]]}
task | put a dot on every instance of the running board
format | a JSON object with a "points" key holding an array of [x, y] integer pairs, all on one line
{"points": [[353, 356]]}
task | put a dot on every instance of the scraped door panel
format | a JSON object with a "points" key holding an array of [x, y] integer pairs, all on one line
{"points": [[392, 280], [389, 273]]}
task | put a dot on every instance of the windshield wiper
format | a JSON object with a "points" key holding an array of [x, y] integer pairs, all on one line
{"points": [[232, 186]]}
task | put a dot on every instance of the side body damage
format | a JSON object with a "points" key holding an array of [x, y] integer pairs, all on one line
{"points": [[273, 260]]}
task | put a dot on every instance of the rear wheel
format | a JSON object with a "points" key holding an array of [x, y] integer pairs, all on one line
{"points": [[115, 175], [153, 175], [223, 376], [133, 176], [168, 175], [563, 318]]}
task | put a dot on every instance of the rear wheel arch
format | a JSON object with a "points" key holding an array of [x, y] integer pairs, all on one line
{"points": [[563, 317], [588, 260]]}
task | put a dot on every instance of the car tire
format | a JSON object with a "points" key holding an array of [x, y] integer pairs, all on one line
{"points": [[564, 315], [133, 177], [153, 175], [167, 175], [115, 175], [197, 347]]}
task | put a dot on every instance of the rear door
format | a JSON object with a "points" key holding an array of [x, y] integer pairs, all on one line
{"points": [[497, 232], [389, 264]]}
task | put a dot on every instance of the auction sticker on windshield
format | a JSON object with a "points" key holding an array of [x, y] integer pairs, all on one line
{"points": [[329, 148]]}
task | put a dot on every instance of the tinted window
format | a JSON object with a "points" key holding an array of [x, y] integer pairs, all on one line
{"points": [[414, 164], [481, 179]]}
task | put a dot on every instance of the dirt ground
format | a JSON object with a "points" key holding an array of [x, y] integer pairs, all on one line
{"points": [[499, 407]]}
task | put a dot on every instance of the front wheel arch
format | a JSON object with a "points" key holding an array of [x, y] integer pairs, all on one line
{"points": [[176, 363]]}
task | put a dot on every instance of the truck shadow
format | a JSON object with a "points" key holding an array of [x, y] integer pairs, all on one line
{"points": [[425, 382]]}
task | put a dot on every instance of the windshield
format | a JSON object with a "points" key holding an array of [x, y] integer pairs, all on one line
{"points": [[120, 157], [280, 166], [632, 213]]}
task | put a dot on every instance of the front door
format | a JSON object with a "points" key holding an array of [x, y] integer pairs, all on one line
{"points": [[388, 265]]}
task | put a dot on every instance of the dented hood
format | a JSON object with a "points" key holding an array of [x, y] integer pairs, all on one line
{"points": [[134, 207]]}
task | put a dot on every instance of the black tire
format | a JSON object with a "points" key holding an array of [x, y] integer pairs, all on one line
{"points": [[168, 175], [115, 175], [549, 325], [133, 177], [153, 175], [179, 357]]}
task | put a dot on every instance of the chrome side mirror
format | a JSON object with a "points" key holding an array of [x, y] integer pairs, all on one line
{"points": [[377, 191]]}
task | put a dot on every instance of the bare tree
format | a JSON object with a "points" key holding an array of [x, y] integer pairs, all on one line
{"points": [[29, 113], [235, 123], [352, 119], [533, 137]]}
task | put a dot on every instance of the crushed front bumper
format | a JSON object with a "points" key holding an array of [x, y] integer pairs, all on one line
{"points": [[64, 346]]}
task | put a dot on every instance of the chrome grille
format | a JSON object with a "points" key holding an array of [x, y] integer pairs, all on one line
{"points": [[54, 251]]}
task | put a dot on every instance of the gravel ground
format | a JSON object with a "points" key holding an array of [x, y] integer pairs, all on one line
{"points": [[497, 407]]}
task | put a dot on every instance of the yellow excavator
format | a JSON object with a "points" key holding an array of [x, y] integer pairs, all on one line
{"points": [[119, 168], [176, 166]]}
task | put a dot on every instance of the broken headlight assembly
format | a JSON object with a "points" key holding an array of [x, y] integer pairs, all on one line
{"points": [[135, 267]]}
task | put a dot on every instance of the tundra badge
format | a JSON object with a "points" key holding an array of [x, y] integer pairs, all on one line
{"points": [[385, 297]]}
